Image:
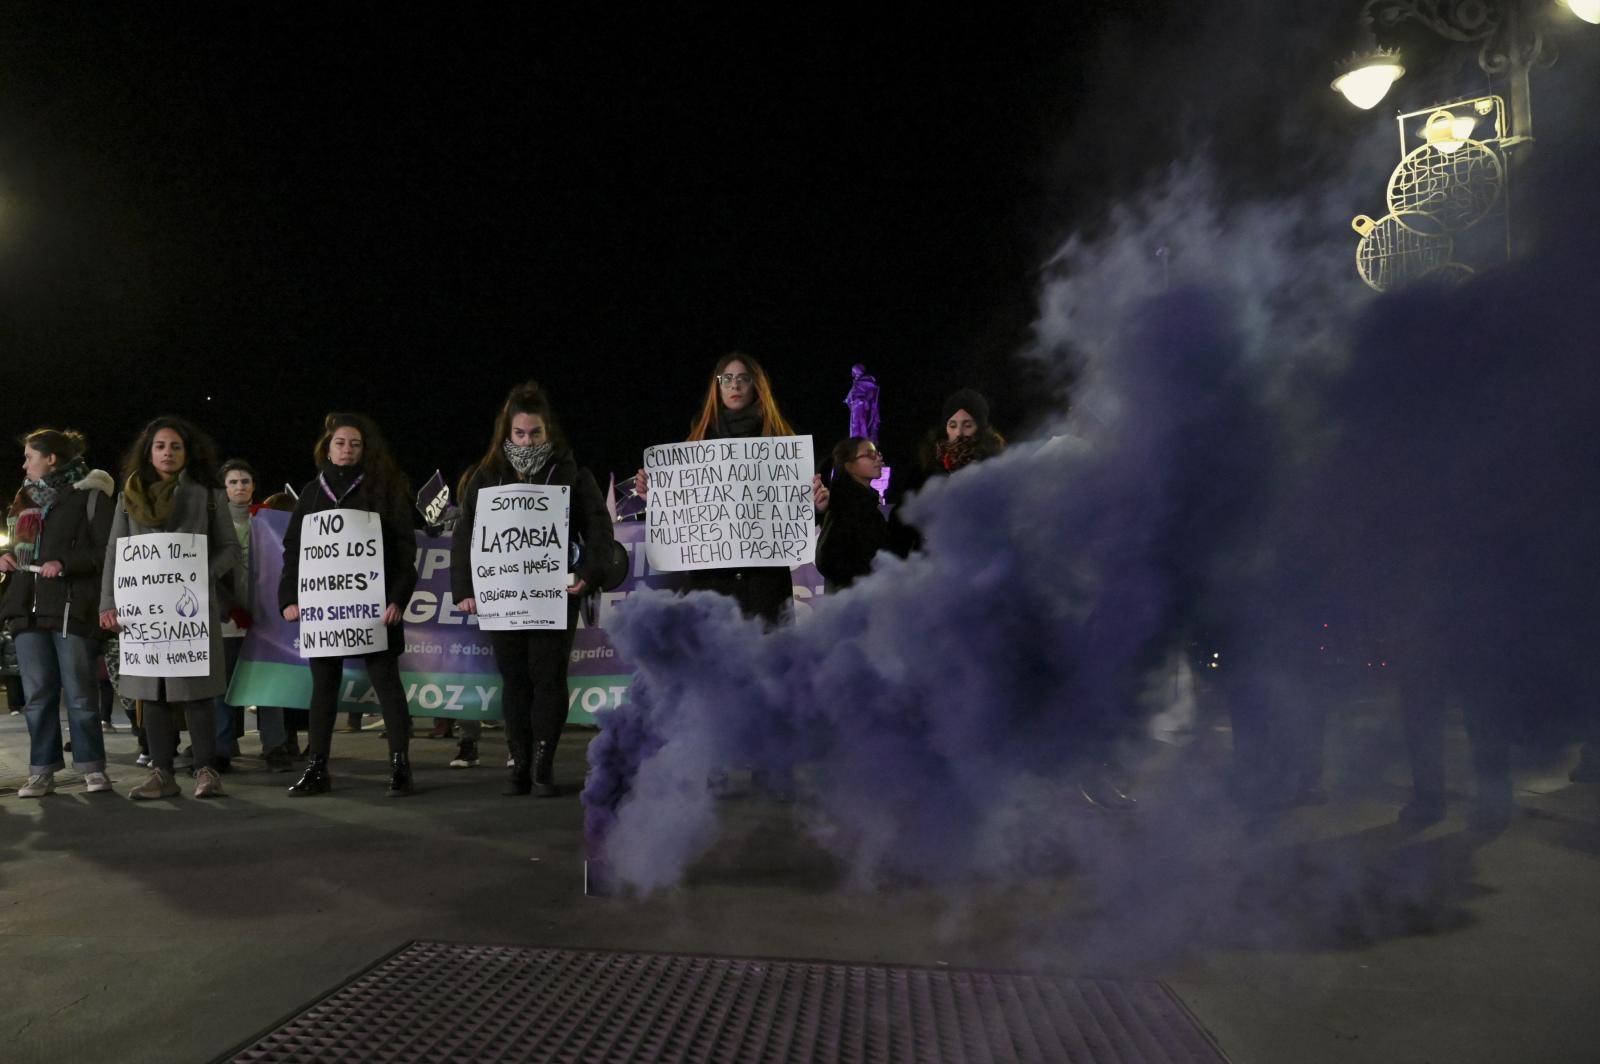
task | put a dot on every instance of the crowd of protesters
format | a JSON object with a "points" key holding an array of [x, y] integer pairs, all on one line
{"points": [[59, 621]]}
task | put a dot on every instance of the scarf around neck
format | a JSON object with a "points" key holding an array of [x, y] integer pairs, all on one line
{"points": [[736, 424], [527, 460], [150, 506], [48, 488]]}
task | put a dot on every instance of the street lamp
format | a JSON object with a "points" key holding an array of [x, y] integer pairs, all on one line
{"points": [[1588, 10], [1367, 77]]}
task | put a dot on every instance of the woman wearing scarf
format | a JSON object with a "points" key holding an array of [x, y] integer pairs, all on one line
{"points": [[357, 472], [528, 448], [169, 485], [739, 404], [964, 436], [52, 587]]}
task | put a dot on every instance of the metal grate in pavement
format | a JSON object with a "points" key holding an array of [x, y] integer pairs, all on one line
{"points": [[438, 1001]]}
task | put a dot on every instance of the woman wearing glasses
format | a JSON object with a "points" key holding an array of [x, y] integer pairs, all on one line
{"points": [[739, 404], [855, 528]]}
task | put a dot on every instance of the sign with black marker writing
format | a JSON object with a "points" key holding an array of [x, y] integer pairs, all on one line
{"points": [[163, 596], [519, 556], [721, 504], [341, 593]]}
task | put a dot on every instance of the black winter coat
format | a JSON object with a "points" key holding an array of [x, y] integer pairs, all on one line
{"points": [[590, 528], [854, 530], [399, 550], [70, 537]]}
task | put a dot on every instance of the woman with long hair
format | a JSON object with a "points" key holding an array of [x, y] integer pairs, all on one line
{"points": [[528, 447], [356, 471], [739, 404], [169, 484], [59, 521]]}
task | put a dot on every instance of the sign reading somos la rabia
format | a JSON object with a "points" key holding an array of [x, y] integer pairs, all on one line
{"points": [[730, 503], [341, 584], [519, 556], [163, 597]]}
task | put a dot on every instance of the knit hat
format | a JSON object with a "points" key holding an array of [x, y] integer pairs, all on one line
{"points": [[970, 401]]}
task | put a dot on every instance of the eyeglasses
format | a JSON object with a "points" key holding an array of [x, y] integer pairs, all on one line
{"points": [[873, 455], [728, 380]]}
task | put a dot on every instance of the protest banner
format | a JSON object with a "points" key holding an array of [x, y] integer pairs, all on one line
{"points": [[341, 592], [519, 556], [718, 504], [447, 667], [163, 597]]}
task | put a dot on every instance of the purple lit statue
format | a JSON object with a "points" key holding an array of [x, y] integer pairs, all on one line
{"points": [[863, 403]]}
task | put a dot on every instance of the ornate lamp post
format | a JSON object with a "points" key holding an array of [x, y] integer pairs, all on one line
{"points": [[1450, 182]]}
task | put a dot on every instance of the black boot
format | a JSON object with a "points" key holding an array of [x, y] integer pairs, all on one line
{"points": [[400, 776], [544, 756], [315, 780], [521, 780]]}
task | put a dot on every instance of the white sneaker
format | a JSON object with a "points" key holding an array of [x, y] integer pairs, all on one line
{"points": [[38, 786], [97, 781], [143, 761]]}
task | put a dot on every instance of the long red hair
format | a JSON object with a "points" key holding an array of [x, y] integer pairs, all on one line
{"points": [[773, 423]]}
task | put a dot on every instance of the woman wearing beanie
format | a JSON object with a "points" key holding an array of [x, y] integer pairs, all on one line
{"points": [[964, 435], [169, 485], [528, 447], [356, 471], [739, 404], [58, 521]]}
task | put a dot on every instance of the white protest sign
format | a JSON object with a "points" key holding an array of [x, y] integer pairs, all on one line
{"points": [[341, 584], [163, 596], [519, 556], [730, 504]]}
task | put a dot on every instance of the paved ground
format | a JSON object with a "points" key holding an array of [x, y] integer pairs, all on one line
{"points": [[173, 931]]}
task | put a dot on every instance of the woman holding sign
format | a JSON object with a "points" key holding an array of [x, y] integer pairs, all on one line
{"points": [[531, 653], [171, 661], [739, 404], [352, 524], [59, 521]]}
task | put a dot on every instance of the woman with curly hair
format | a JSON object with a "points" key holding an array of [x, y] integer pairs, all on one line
{"points": [[169, 484], [355, 470]]}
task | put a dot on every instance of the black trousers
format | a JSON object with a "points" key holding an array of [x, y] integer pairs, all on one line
{"points": [[1487, 735], [533, 687], [161, 731], [326, 676]]}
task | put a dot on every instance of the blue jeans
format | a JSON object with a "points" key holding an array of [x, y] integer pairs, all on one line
{"points": [[50, 663]]}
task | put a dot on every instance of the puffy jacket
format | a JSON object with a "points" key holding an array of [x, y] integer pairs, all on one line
{"points": [[75, 538]]}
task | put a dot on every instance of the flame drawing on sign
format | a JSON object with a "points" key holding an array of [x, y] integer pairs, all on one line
{"points": [[188, 605]]}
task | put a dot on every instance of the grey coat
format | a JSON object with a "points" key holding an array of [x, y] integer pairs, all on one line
{"points": [[189, 514]]}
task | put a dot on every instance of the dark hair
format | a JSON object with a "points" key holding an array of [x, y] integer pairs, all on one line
{"points": [[65, 444], [389, 486], [241, 465], [773, 423], [200, 454], [844, 452], [525, 398]]}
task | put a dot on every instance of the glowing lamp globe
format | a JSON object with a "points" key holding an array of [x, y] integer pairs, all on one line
{"points": [[1367, 79], [1448, 132], [1588, 10]]}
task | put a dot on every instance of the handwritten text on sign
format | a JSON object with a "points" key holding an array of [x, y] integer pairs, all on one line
{"points": [[730, 503], [519, 556], [163, 597], [341, 584]]}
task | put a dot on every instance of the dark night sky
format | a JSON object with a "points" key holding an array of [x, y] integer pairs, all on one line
{"points": [[295, 212]]}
